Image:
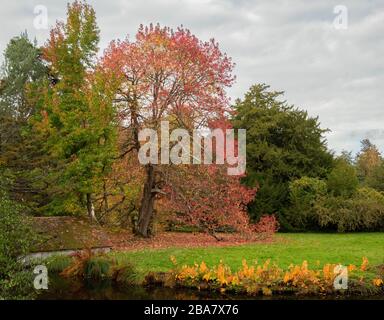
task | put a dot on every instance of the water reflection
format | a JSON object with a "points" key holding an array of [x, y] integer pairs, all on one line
{"points": [[61, 288]]}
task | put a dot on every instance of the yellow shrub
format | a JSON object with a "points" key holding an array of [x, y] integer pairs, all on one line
{"points": [[378, 282], [364, 264], [266, 277]]}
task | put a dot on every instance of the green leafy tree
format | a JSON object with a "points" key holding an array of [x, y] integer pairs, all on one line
{"points": [[283, 144], [303, 194], [77, 118], [347, 156], [342, 180]]}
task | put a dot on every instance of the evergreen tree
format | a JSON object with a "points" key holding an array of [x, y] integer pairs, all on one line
{"points": [[283, 144], [23, 72]]}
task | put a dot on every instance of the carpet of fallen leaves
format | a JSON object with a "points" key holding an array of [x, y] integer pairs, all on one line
{"points": [[177, 239], [60, 233]]}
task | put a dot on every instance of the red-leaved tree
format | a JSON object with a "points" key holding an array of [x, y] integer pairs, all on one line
{"points": [[166, 75], [207, 197]]}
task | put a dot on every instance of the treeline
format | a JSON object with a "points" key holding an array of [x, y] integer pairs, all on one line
{"points": [[69, 138], [71, 120], [298, 178]]}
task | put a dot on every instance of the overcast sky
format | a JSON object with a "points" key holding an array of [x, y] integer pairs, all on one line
{"points": [[335, 72]]}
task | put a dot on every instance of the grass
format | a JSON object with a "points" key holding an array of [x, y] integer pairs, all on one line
{"points": [[57, 263], [287, 249]]}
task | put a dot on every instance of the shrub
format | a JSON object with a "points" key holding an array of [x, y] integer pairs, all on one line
{"points": [[15, 239], [97, 268], [87, 264], [126, 275], [343, 208], [267, 226], [303, 194], [267, 278], [364, 211]]}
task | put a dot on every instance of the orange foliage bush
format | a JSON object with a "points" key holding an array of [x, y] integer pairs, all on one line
{"points": [[263, 278], [266, 227]]}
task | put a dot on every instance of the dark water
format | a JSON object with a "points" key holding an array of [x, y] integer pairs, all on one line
{"points": [[61, 288]]}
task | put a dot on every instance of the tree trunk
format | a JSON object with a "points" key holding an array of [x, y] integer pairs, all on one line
{"points": [[147, 203], [90, 208], [213, 234]]}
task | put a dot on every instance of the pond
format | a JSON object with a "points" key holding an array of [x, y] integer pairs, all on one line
{"points": [[62, 288]]}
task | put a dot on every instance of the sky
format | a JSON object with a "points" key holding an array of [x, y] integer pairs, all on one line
{"points": [[327, 56]]}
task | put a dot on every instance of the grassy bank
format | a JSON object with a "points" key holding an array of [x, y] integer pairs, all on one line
{"points": [[317, 249], [314, 257]]}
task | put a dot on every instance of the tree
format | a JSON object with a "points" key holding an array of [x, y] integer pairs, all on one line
{"points": [[367, 159], [342, 180], [210, 199], [166, 75], [303, 195], [22, 66], [283, 144], [347, 157], [22, 73], [77, 118], [376, 177]]}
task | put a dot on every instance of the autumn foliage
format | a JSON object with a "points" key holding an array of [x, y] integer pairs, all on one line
{"points": [[93, 108], [206, 197], [172, 75], [168, 73], [266, 226], [267, 278]]}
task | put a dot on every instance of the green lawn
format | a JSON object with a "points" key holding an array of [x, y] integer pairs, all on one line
{"points": [[288, 248]]}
